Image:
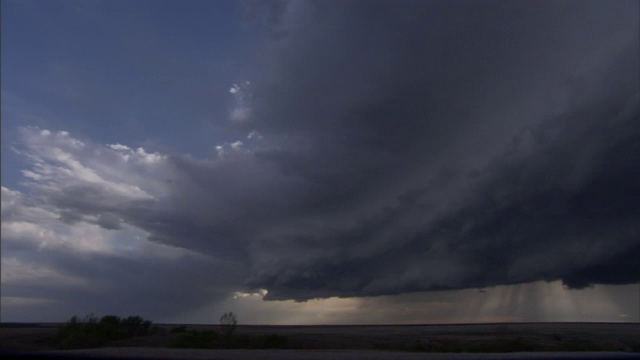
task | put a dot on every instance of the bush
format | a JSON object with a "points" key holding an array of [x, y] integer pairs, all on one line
{"points": [[79, 333], [228, 321], [91, 332], [135, 326]]}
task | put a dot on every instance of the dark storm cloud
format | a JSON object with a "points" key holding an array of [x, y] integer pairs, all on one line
{"points": [[454, 144], [407, 146]]}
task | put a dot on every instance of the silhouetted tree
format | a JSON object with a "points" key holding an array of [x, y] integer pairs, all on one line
{"points": [[228, 321]]}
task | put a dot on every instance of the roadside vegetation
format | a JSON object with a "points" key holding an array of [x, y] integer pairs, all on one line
{"points": [[110, 330], [91, 332], [134, 331], [209, 339], [517, 344]]}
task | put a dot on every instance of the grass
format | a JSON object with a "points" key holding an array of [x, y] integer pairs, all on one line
{"points": [[91, 332], [17, 325], [196, 339], [178, 329], [497, 346], [208, 339], [112, 331]]}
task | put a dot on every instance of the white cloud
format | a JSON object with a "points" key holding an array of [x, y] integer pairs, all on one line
{"points": [[254, 135], [44, 228], [72, 234], [260, 294], [119, 147], [79, 194], [236, 145], [40, 228], [228, 151], [241, 110], [117, 174]]}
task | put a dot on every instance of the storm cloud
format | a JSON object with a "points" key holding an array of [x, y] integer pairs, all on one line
{"points": [[448, 145], [403, 147]]}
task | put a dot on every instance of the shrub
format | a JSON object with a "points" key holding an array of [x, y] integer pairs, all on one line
{"points": [[228, 321], [91, 332], [110, 327], [79, 333], [136, 326]]}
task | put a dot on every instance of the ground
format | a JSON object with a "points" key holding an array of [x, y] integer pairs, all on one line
{"points": [[517, 340]]}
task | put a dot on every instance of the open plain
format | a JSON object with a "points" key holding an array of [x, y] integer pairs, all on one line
{"points": [[468, 341]]}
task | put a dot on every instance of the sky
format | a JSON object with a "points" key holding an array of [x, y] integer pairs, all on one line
{"points": [[321, 162]]}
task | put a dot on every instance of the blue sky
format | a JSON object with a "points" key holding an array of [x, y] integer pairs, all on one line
{"points": [[321, 162], [153, 73]]}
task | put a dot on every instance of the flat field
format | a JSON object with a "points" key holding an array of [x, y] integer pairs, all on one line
{"points": [[371, 339]]}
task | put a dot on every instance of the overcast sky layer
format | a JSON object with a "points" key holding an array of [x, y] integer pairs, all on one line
{"points": [[321, 162]]}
